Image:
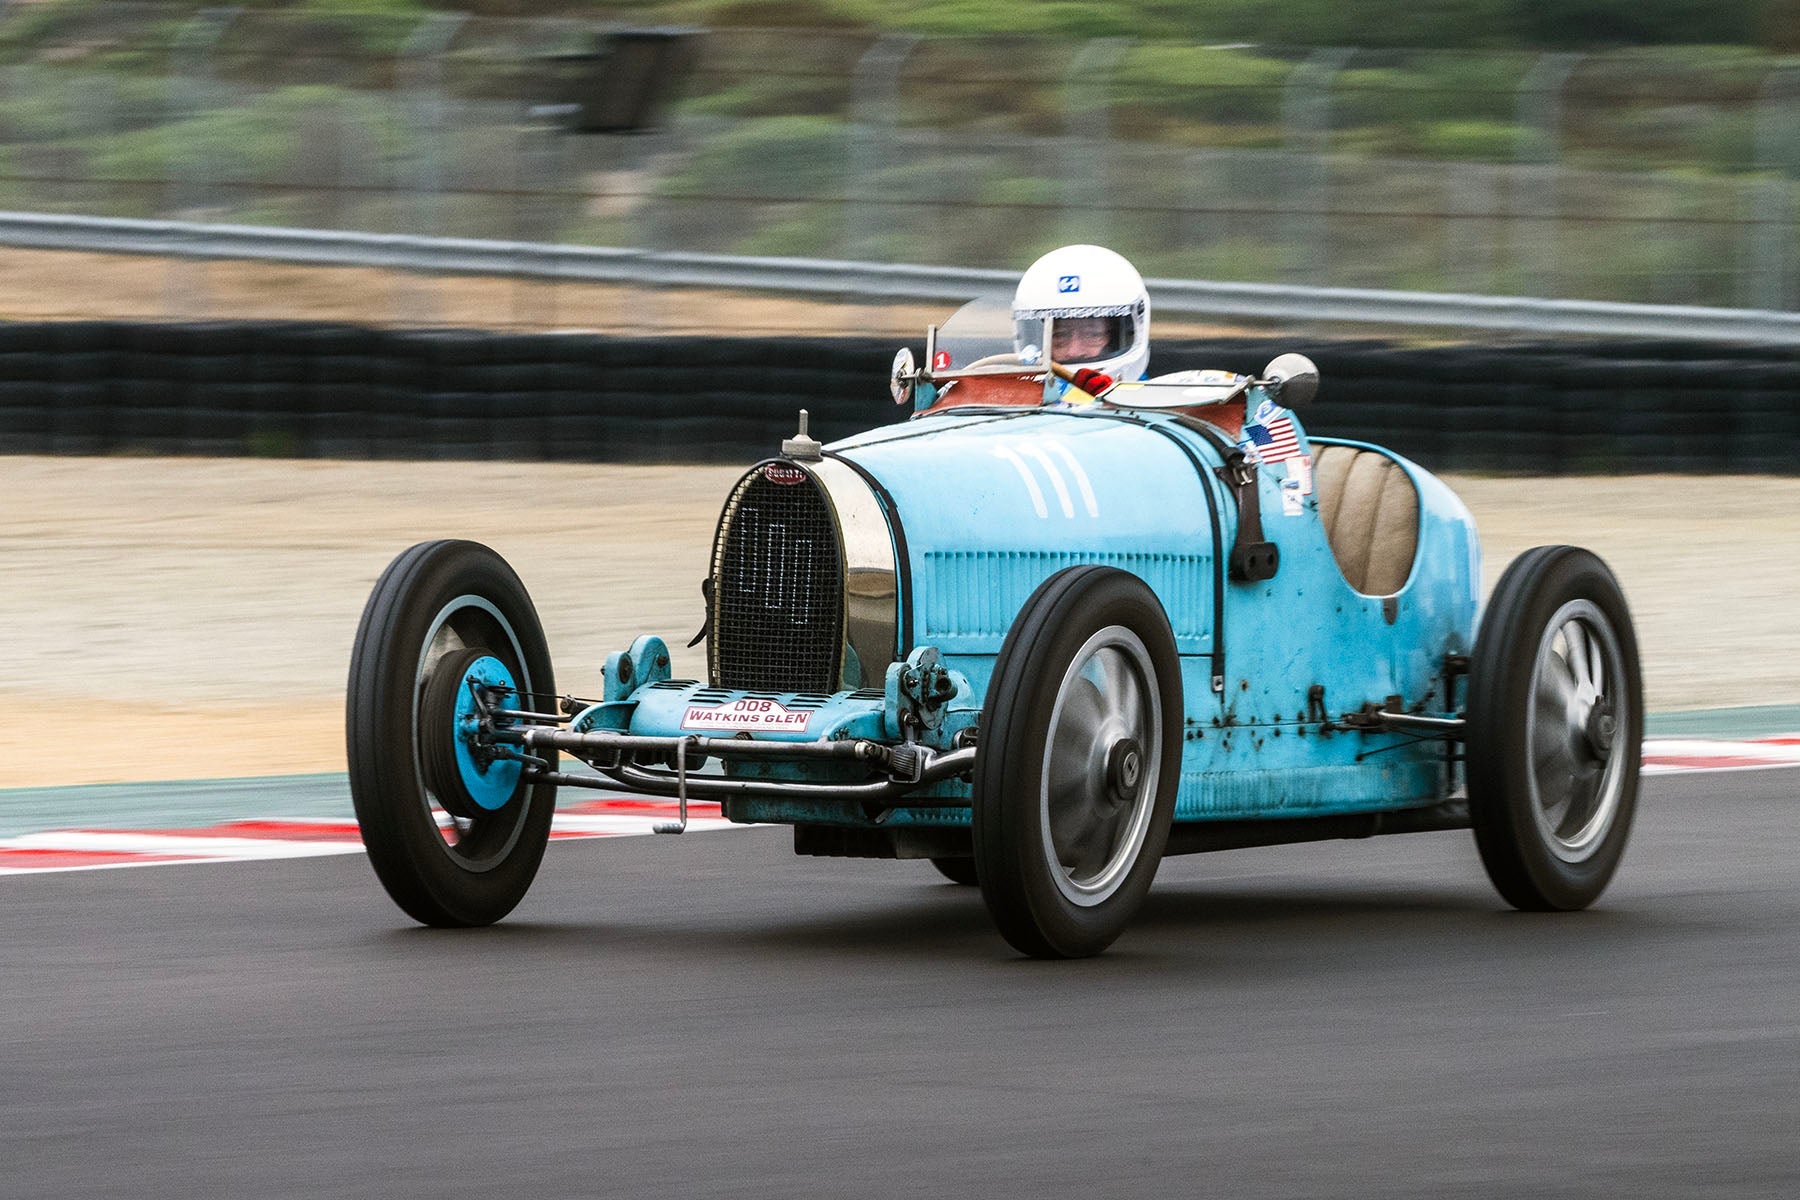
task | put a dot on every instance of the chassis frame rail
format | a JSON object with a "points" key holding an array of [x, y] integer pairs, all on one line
{"points": [[908, 766]]}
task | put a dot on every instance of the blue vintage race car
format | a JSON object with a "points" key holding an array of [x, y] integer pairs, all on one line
{"points": [[1041, 639]]}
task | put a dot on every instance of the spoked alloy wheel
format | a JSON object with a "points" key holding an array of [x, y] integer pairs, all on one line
{"points": [[1098, 792], [1577, 778], [1076, 776], [1555, 730], [454, 831]]}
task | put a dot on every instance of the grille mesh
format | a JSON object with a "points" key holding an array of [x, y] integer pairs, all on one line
{"points": [[778, 588]]}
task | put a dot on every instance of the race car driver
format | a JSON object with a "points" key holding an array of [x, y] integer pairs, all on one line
{"points": [[1099, 311]]}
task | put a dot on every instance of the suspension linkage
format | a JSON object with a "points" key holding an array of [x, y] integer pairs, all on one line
{"points": [[604, 743]]}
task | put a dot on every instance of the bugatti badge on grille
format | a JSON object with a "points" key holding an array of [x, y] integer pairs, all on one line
{"points": [[783, 474]]}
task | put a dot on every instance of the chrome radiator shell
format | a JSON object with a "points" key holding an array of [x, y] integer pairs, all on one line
{"points": [[804, 582]]}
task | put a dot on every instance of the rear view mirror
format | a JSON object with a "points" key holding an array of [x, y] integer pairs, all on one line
{"points": [[904, 377], [1291, 379]]}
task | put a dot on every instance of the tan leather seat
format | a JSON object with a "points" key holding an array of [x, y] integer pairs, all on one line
{"points": [[1371, 514]]}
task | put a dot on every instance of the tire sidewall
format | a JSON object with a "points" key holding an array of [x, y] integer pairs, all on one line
{"points": [[1527, 872], [419, 869], [1014, 871]]}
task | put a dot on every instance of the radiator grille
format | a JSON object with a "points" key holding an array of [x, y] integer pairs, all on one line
{"points": [[778, 586]]}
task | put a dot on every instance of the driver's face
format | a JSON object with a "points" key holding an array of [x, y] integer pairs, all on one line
{"points": [[1077, 339]]}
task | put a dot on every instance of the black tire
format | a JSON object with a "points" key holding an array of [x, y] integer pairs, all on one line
{"points": [[1091, 645], [957, 870], [444, 861], [1555, 730]]}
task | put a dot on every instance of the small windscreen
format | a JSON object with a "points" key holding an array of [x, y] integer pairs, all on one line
{"points": [[977, 330]]}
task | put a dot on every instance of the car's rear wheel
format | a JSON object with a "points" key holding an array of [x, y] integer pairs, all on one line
{"points": [[1555, 730], [454, 831], [1080, 752]]}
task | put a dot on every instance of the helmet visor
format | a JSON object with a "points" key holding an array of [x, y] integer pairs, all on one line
{"points": [[1077, 340]]}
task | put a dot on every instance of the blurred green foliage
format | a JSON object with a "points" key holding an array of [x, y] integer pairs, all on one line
{"points": [[1202, 119], [779, 158], [1448, 24], [264, 137], [1201, 96], [1468, 139]]}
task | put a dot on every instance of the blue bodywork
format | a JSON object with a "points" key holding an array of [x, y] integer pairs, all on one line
{"points": [[991, 502]]}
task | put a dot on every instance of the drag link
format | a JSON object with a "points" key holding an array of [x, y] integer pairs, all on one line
{"points": [[937, 767], [713, 787], [519, 714]]}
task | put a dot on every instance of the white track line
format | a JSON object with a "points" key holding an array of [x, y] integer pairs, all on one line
{"points": [[104, 849]]}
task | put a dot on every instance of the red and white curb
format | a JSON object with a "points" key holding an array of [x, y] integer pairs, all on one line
{"points": [[237, 841], [1668, 756]]}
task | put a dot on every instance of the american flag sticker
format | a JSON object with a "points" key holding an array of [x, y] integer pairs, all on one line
{"points": [[1275, 442]]}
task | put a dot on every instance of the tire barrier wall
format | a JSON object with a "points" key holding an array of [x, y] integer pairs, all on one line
{"points": [[318, 390]]}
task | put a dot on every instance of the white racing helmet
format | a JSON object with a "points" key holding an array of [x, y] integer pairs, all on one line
{"points": [[1088, 291]]}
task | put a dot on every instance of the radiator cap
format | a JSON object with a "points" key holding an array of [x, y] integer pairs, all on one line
{"points": [[800, 447]]}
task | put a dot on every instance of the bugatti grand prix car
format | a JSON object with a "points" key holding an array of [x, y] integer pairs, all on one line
{"points": [[1042, 639]]}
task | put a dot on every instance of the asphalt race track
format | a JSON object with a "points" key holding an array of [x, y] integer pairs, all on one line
{"points": [[712, 1016]]}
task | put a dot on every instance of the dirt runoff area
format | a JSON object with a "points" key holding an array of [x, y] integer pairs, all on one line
{"points": [[192, 618], [59, 285]]}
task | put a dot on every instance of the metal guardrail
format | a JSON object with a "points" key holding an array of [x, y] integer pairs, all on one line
{"points": [[826, 277]]}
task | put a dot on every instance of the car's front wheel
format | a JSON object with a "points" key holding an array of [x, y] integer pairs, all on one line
{"points": [[1555, 729], [454, 829], [1080, 751]]}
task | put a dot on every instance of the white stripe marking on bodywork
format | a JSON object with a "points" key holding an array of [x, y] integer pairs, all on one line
{"points": [[1056, 479], [1037, 494], [1081, 478]]}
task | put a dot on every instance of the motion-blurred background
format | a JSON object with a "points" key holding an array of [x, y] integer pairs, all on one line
{"points": [[275, 282], [1638, 151], [1452, 178], [1550, 243]]}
